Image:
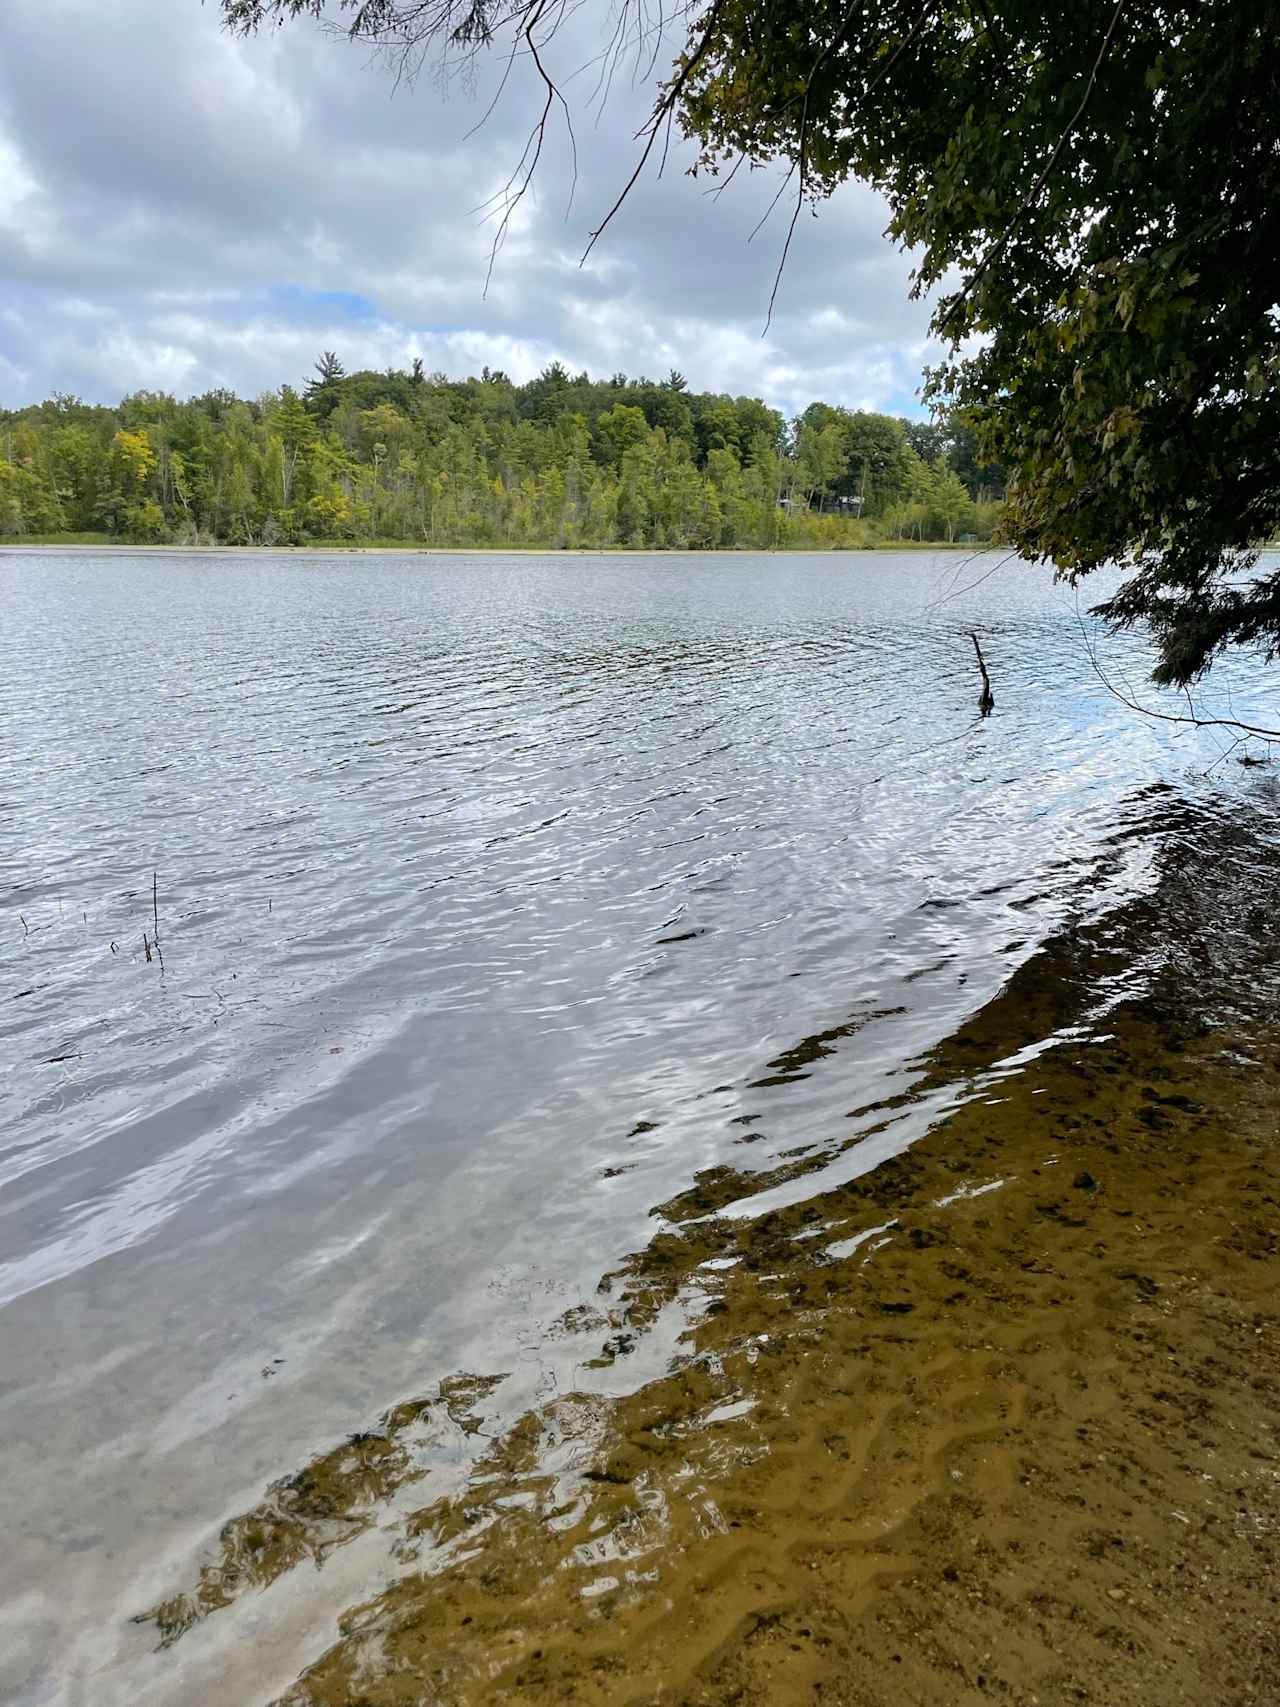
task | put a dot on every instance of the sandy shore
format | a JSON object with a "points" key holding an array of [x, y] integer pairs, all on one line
{"points": [[998, 1419]]}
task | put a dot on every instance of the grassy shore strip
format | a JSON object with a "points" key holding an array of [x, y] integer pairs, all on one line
{"points": [[996, 1419], [52, 545]]}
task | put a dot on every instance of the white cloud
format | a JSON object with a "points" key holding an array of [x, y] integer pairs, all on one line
{"points": [[181, 209]]}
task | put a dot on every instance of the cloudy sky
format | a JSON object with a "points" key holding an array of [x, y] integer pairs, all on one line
{"points": [[180, 210]]}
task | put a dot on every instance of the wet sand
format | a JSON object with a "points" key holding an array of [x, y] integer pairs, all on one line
{"points": [[998, 1419]]}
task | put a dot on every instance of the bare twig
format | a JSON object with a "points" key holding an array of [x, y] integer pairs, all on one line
{"points": [[664, 107], [715, 191], [763, 220], [1192, 720], [517, 185], [568, 115], [802, 159], [1226, 753], [498, 94], [954, 592], [536, 138]]}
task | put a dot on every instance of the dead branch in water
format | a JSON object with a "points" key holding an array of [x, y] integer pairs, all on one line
{"points": [[986, 700], [155, 922]]}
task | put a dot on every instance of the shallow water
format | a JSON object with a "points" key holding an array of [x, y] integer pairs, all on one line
{"points": [[498, 898]]}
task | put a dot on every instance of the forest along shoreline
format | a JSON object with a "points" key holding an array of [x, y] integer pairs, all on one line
{"points": [[998, 1418], [563, 460]]}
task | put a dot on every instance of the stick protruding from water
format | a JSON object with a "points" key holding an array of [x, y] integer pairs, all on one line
{"points": [[155, 922], [986, 699]]}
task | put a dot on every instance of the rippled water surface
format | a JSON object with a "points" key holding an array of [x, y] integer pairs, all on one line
{"points": [[497, 898]]}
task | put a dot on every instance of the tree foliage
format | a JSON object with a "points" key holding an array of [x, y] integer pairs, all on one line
{"points": [[1103, 178], [564, 460]]}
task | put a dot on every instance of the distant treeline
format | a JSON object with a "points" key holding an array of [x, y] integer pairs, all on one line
{"points": [[561, 461]]}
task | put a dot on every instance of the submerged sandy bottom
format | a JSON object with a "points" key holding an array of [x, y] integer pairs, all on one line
{"points": [[997, 1419]]}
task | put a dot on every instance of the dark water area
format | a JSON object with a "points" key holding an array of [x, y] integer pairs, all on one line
{"points": [[499, 899]]}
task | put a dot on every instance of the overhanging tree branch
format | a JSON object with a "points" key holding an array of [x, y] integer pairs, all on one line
{"points": [[1028, 201], [802, 150]]}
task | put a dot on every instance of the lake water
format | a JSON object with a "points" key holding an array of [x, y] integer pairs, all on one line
{"points": [[498, 897]]}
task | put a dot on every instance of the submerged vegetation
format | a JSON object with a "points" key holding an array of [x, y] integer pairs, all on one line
{"points": [[562, 461]]}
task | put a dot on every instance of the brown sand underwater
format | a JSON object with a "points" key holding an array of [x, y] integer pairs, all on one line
{"points": [[997, 1420]]}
